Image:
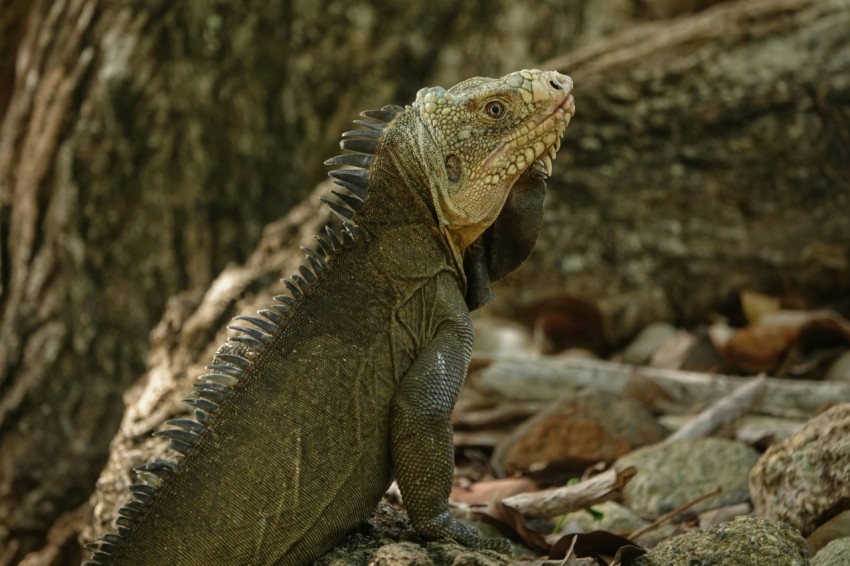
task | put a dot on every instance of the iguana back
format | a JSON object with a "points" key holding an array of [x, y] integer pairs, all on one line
{"points": [[309, 411]]}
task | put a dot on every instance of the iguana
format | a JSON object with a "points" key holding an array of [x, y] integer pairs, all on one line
{"points": [[349, 379]]}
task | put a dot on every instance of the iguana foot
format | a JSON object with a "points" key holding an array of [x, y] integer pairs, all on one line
{"points": [[446, 526]]}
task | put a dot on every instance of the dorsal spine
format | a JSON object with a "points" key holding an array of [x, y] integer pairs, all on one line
{"points": [[233, 362]]}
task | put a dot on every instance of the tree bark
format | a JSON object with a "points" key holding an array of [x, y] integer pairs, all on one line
{"points": [[708, 156]]}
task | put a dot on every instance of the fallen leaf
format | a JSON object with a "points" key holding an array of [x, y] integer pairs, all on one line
{"points": [[837, 527], [628, 556], [720, 333], [507, 519], [757, 349], [559, 323], [761, 347], [491, 490], [756, 305], [673, 351], [597, 544]]}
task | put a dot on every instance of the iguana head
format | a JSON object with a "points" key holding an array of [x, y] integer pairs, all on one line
{"points": [[477, 155], [490, 133]]}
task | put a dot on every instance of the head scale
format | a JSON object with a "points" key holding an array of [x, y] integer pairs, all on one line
{"points": [[490, 132], [497, 139]]}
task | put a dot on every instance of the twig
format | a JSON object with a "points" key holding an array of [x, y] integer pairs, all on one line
{"points": [[498, 415], [550, 502], [570, 550], [546, 378], [724, 410], [664, 518]]}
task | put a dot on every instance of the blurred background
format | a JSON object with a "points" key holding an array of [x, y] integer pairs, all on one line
{"points": [[151, 148]]}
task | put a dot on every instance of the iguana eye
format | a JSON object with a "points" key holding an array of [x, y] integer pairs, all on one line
{"points": [[494, 109]]}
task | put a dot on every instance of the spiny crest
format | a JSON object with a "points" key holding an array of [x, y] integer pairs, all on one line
{"points": [[363, 144], [232, 361]]}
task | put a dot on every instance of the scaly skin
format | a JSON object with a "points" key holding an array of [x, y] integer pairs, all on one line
{"points": [[303, 422]]}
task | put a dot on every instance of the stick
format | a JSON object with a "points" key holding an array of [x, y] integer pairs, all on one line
{"points": [[551, 502], [726, 409], [546, 378], [664, 518]]}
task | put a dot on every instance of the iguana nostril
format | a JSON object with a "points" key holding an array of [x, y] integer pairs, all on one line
{"points": [[560, 82]]}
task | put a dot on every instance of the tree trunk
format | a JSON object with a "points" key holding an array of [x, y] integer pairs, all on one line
{"points": [[707, 156], [144, 145]]}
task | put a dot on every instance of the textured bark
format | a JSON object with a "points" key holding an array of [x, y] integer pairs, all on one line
{"points": [[708, 156], [12, 14]]}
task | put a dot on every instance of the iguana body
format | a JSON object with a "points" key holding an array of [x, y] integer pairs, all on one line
{"points": [[350, 380]]}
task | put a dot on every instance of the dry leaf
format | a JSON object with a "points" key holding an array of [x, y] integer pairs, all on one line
{"points": [[673, 351], [597, 544], [756, 305], [757, 349], [491, 490], [507, 519], [837, 527], [720, 333], [761, 347], [560, 323]]}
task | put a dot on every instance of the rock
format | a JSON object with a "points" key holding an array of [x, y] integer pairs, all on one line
{"points": [[577, 431], [401, 553], [451, 553], [610, 516], [839, 370], [724, 515], [805, 480], [387, 539], [499, 336], [753, 429], [671, 474], [836, 553], [746, 541], [647, 342]]}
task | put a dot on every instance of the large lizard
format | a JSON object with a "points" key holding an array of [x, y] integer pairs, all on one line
{"points": [[349, 379]]}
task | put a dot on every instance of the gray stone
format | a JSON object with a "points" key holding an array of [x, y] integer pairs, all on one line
{"points": [[836, 553], [609, 516], [401, 553], [647, 342], [671, 474], [805, 480], [577, 431], [839, 370]]}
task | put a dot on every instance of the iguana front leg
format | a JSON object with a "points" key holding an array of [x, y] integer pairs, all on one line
{"points": [[421, 434]]}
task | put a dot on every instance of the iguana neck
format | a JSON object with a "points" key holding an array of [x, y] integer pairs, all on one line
{"points": [[403, 185]]}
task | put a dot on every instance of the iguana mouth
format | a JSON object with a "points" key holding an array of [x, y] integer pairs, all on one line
{"points": [[542, 166]]}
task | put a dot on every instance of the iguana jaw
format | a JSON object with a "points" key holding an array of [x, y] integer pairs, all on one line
{"points": [[490, 132]]}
